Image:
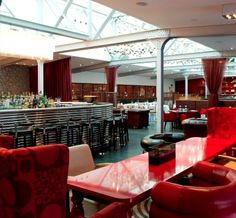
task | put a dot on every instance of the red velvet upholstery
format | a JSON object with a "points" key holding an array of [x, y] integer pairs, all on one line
{"points": [[170, 117], [210, 194], [6, 141], [7, 192], [203, 111], [38, 176], [221, 122]]}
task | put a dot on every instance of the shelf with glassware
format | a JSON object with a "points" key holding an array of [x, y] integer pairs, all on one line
{"points": [[125, 93]]}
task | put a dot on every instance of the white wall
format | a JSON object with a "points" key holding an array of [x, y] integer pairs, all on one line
{"points": [[167, 85], [89, 77], [100, 78]]}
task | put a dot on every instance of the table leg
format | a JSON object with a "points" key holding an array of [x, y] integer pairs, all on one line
{"points": [[77, 208]]}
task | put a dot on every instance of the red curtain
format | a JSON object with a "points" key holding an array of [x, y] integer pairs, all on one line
{"points": [[33, 75], [111, 78], [57, 79], [214, 74]]}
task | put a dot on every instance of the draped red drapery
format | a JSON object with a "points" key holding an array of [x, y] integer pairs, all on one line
{"points": [[33, 76], [57, 79], [111, 78], [214, 74]]}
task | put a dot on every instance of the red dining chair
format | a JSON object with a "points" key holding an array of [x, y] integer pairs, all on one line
{"points": [[33, 181], [203, 111], [189, 114], [210, 193], [170, 117]]}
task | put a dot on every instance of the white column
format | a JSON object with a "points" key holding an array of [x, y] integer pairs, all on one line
{"points": [[186, 86], [40, 77], [206, 90], [159, 87]]}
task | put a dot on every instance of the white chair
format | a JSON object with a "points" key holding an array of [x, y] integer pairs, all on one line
{"points": [[81, 161]]}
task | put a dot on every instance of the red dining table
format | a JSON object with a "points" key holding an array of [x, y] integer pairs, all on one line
{"points": [[132, 179]]}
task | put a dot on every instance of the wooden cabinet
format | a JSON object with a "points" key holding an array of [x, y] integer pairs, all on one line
{"points": [[77, 91], [124, 92], [150, 91], [229, 86], [136, 92], [138, 118]]}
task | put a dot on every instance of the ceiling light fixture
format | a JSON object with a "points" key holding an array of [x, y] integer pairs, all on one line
{"points": [[229, 11]]}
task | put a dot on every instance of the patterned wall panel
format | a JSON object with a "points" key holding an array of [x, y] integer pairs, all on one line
{"points": [[14, 79]]}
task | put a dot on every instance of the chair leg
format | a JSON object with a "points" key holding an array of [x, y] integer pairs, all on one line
{"points": [[164, 125]]}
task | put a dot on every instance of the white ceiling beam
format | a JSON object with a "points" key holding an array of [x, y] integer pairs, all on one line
{"points": [[90, 67], [176, 57], [138, 72], [116, 40], [40, 27], [213, 30]]}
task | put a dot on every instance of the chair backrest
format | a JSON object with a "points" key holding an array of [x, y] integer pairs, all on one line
{"points": [[6, 141], [80, 159], [211, 193], [169, 117], [7, 191], [39, 177], [221, 122]]}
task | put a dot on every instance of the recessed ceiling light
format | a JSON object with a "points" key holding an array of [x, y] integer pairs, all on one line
{"points": [[141, 3]]}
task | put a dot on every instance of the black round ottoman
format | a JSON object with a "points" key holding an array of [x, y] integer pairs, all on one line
{"points": [[151, 142], [169, 137], [148, 144]]}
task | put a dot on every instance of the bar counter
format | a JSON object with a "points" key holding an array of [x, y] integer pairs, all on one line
{"points": [[10, 117]]}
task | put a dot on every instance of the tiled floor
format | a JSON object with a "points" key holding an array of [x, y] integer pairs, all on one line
{"points": [[133, 147]]}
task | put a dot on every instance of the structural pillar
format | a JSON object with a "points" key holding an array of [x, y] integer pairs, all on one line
{"points": [[111, 84], [186, 87], [159, 85], [206, 90], [40, 77]]}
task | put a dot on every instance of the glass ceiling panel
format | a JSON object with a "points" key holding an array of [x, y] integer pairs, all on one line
{"points": [[93, 19]]}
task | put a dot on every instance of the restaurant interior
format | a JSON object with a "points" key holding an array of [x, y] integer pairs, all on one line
{"points": [[121, 109]]}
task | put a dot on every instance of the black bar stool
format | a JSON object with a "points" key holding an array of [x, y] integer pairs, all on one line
{"points": [[91, 133], [50, 130], [23, 134], [108, 133], [73, 130], [120, 129]]}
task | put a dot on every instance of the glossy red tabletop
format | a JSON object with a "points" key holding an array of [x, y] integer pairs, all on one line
{"points": [[132, 179]]}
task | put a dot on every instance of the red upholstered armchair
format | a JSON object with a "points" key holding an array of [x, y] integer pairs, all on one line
{"points": [[221, 122], [35, 181], [211, 193]]}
